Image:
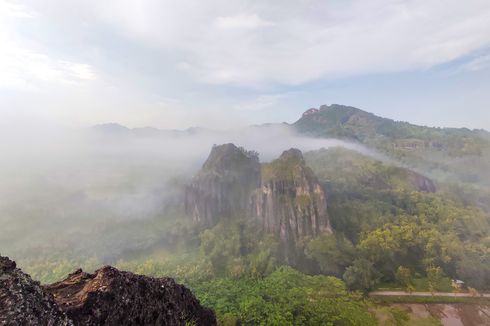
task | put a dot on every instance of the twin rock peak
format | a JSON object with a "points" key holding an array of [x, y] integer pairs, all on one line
{"points": [[284, 196]]}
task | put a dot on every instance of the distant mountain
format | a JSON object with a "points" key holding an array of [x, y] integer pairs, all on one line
{"points": [[117, 130], [348, 122], [452, 154], [111, 128]]}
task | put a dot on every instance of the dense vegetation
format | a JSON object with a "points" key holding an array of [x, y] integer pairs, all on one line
{"points": [[383, 223]]}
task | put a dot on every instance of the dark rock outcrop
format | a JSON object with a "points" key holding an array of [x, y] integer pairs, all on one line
{"points": [[24, 302], [291, 203], [222, 188], [113, 297], [107, 297]]}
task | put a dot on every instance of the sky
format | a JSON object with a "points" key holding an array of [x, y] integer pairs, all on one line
{"points": [[226, 63]]}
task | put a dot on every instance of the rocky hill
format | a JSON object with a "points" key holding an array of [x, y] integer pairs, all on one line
{"points": [[348, 122], [284, 196], [290, 201], [222, 187], [449, 154], [107, 297]]}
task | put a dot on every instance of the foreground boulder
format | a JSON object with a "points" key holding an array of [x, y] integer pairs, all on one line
{"points": [[24, 302], [113, 297], [106, 297]]}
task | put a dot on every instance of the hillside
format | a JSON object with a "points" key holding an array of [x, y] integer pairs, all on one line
{"points": [[449, 154], [341, 168]]}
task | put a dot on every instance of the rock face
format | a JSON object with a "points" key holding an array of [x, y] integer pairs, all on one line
{"points": [[113, 297], [24, 302], [284, 196], [291, 203], [107, 297], [222, 188]]}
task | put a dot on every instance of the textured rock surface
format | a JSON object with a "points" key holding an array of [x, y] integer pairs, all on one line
{"points": [[23, 301], [222, 188], [107, 297], [284, 196], [291, 203], [113, 297]]}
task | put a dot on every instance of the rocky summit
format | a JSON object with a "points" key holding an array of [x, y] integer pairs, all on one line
{"points": [[106, 297], [284, 196], [291, 202], [222, 187]]}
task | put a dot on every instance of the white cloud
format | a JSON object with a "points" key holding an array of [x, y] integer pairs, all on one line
{"points": [[22, 65], [174, 48], [23, 69], [78, 70], [235, 42], [241, 21], [14, 9]]}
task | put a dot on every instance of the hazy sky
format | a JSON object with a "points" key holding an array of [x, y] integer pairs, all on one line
{"points": [[222, 63]]}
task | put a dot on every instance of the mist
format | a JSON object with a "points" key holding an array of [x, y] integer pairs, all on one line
{"points": [[99, 190]]}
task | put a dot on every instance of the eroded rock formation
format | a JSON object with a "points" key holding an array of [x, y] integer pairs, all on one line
{"points": [[284, 196], [24, 302], [113, 297], [291, 203], [222, 187], [107, 297]]}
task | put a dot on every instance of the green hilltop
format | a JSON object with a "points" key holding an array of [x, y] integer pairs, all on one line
{"points": [[448, 154]]}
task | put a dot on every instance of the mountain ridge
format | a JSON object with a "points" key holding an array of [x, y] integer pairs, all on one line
{"points": [[108, 125]]}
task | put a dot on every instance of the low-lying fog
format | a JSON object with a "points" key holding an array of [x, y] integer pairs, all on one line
{"points": [[63, 188]]}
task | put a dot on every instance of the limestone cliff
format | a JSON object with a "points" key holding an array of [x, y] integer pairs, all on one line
{"points": [[290, 202], [284, 196], [222, 187]]}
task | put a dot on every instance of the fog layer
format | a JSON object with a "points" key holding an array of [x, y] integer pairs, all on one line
{"points": [[85, 189]]}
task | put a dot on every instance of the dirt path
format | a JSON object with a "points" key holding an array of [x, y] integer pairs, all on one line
{"points": [[427, 294]]}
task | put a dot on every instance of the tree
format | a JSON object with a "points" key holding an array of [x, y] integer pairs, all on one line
{"points": [[333, 253], [404, 276], [361, 275], [434, 277]]}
